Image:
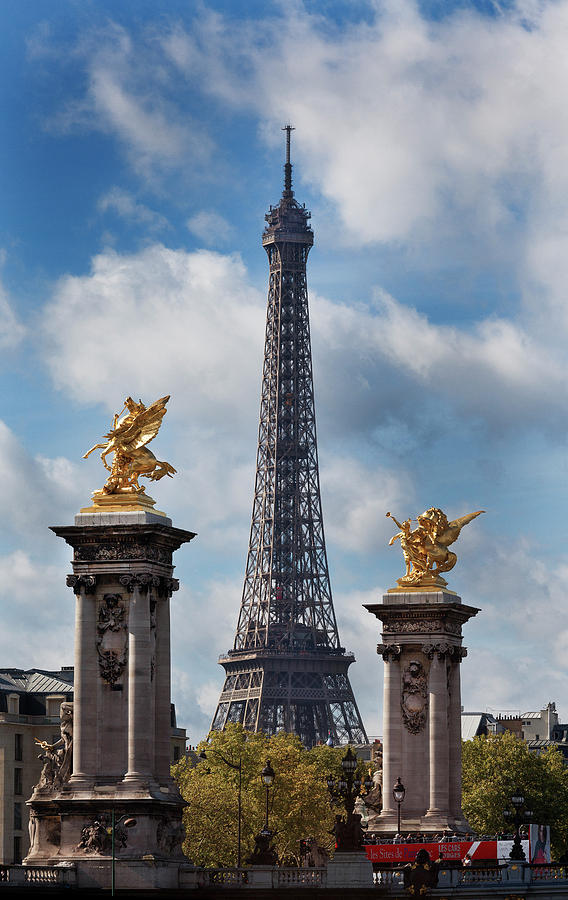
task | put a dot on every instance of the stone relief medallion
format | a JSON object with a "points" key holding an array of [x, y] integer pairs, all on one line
{"points": [[112, 638], [414, 700]]}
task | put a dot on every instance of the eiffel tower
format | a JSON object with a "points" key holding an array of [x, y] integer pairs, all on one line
{"points": [[287, 670]]}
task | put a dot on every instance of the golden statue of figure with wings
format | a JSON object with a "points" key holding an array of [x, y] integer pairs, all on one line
{"points": [[425, 548], [127, 439]]}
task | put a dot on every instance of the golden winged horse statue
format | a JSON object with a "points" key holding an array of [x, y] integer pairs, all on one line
{"points": [[425, 548], [127, 439]]}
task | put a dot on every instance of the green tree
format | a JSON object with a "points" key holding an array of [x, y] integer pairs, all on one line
{"points": [[299, 803], [496, 766]]}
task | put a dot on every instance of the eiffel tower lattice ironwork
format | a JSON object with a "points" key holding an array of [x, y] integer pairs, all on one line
{"points": [[287, 669]]}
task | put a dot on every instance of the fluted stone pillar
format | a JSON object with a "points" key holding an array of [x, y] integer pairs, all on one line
{"points": [[392, 725], [140, 723], [163, 685], [454, 719], [438, 739], [85, 681]]}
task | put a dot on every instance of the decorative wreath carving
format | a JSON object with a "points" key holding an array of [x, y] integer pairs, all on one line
{"points": [[414, 701], [112, 638]]}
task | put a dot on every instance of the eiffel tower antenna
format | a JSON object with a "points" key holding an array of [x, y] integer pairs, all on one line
{"points": [[287, 669], [288, 165]]}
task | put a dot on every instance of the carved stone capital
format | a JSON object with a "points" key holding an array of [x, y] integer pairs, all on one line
{"points": [[143, 581], [389, 652], [167, 586], [441, 650], [87, 583]]}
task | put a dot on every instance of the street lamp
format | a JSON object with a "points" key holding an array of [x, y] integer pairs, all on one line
{"points": [[267, 776], [128, 823], [238, 768], [347, 788], [398, 793], [264, 853], [518, 816]]}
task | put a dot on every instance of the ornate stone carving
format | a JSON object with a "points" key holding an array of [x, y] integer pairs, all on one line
{"points": [[96, 836], [422, 626], [414, 701], [141, 580], [440, 650], [87, 583], [58, 757], [122, 550], [170, 585], [389, 652], [112, 638], [170, 835]]}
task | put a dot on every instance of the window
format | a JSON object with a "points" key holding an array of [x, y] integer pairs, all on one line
{"points": [[176, 754], [17, 816], [14, 704], [18, 789], [53, 706], [18, 747], [17, 851]]}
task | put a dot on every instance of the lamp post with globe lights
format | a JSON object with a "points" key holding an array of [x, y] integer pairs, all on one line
{"points": [[347, 788], [519, 815], [264, 853]]}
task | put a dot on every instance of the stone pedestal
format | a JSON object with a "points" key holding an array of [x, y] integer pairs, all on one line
{"points": [[350, 870], [122, 582], [422, 650]]}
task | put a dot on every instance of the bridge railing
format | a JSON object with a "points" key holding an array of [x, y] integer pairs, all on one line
{"points": [[37, 876]]}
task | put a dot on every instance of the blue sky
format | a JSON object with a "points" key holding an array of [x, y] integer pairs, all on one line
{"points": [[141, 148]]}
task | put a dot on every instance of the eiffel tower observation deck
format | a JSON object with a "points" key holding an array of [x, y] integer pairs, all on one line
{"points": [[287, 670]]}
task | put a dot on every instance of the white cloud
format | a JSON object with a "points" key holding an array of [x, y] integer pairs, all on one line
{"points": [[35, 489], [127, 97], [203, 626], [167, 321], [124, 205], [356, 497], [39, 609], [210, 227], [11, 329]]}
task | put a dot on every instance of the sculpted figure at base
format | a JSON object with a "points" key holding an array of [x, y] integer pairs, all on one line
{"points": [[58, 757], [127, 440], [425, 548]]}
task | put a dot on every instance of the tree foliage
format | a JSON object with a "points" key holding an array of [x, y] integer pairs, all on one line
{"points": [[299, 803], [496, 766]]}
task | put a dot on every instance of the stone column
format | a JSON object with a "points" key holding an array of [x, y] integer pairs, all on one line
{"points": [[85, 694], [454, 715], [438, 731], [163, 682], [392, 749], [140, 723]]}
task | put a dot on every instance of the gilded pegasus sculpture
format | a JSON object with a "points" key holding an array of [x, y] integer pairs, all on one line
{"points": [[425, 548], [127, 439]]}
